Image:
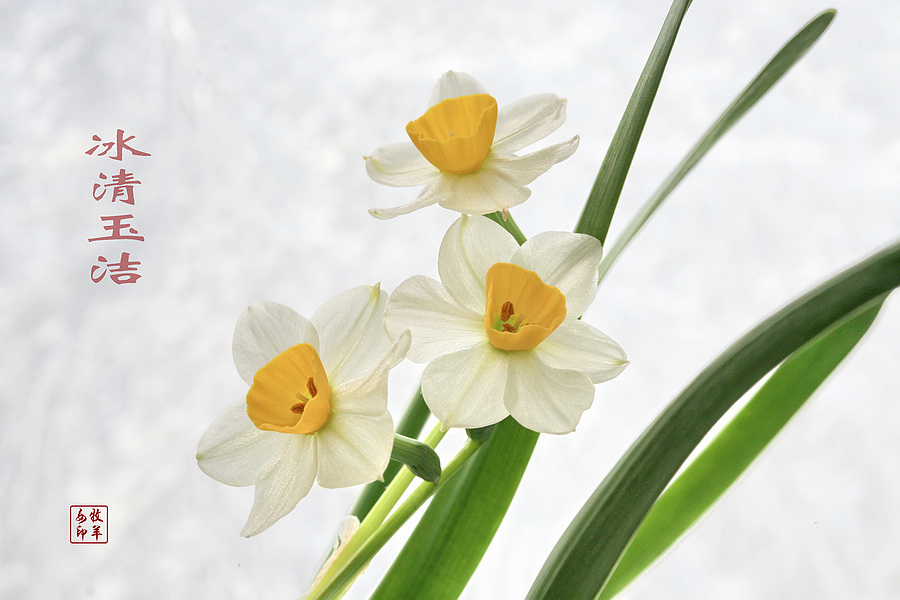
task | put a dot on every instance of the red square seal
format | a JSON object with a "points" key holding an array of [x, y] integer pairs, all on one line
{"points": [[88, 524]]}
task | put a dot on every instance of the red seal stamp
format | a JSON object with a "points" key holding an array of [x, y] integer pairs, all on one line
{"points": [[88, 524]]}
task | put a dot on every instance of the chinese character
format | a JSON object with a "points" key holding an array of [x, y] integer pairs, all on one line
{"points": [[124, 271], [116, 228], [121, 143], [122, 184], [78, 527]]}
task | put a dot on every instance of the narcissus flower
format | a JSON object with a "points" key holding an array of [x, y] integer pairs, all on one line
{"points": [[463, 150], [317, 405], [500, 332]]}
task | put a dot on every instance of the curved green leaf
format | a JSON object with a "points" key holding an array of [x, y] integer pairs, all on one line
{"points": [[780, 64], [586, 554], [715, 469]]}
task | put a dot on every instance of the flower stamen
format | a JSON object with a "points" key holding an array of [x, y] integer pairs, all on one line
{"points": [[506, 311]]}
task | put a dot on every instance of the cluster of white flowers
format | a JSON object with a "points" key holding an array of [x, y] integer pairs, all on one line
{"points": [[501, 332]]}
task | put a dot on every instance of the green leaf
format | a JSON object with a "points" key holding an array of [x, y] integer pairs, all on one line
{"points": [[780, 64], [421, 458], [456, 529], [713, 471], [586, 554], [604, 196], [411, 426]]}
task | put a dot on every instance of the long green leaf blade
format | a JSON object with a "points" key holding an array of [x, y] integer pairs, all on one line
{"points": [[586, 554], [604, 196], [448, 543], [720, 464], [780, 64]]}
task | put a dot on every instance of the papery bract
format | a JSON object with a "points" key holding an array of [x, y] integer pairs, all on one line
{"points": [[501, 332], [463, 150], [317, 406]]}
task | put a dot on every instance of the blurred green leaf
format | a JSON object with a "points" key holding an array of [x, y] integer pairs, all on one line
{"points": [[715, 469], [604, 196], [586, 554], [780, 64]]}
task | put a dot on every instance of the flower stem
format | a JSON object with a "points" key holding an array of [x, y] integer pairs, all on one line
{"points": [[337, 584], [508, 224], [376, 516]]}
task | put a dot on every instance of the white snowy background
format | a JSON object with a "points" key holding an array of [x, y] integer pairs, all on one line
{"points": [[256, 118]]}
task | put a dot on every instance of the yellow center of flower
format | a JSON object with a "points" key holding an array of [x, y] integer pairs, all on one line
{"points": [[291, 393], [521, 309], [456, 134]]}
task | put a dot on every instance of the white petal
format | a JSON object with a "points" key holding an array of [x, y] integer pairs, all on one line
{"points": [[522, 170], [567, 261], [400, 165], [354, 449], [282, 488], [351, 333], [440, 187], [453, 84], [233, 451], [469, 248], [367, 394], [544, 399], [465, 389], [528, 120], [265, 330], [485, 191], [578, 346], [437, 323]]}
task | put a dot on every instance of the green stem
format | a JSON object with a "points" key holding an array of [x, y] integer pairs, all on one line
{"points": [[377, 514], [338, 583], [508, 224]]}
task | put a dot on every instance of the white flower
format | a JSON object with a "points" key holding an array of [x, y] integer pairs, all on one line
{"points": [[317, 405], [501, 332], [462, 150]]}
